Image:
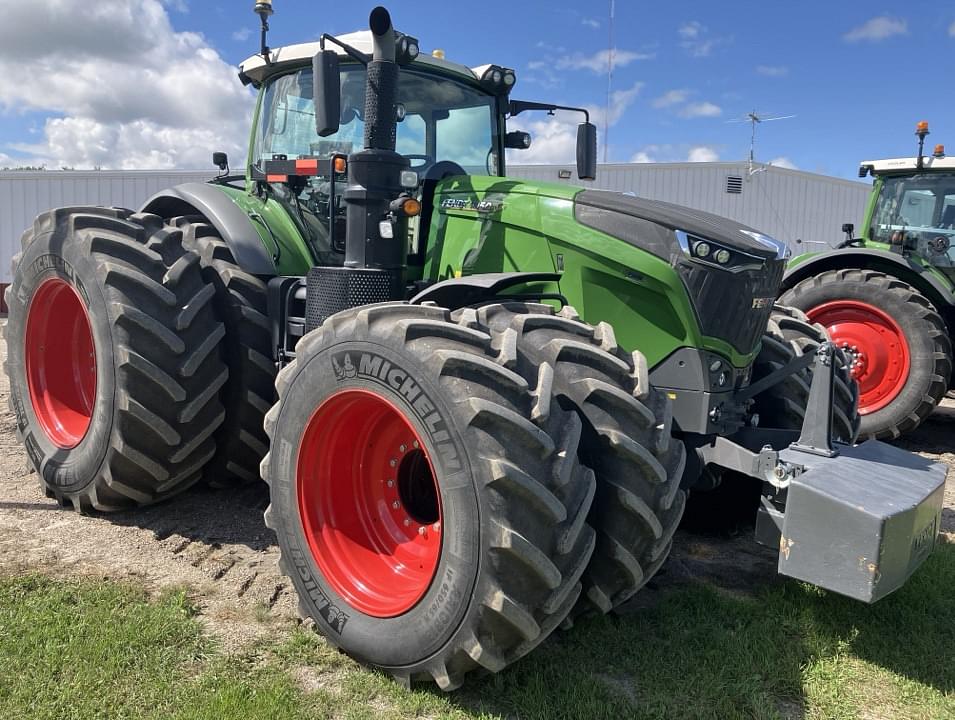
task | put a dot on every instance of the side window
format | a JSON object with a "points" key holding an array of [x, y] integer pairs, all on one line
{"points": [[918, 206], [948, 211], [465, 137]]}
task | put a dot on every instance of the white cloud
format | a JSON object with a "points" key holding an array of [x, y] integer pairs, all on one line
{"points": [[642, 156], [124, 88], [772, 70], [177, 5], [591, 23], [690, 30], [697, 40], [242, 34], [554, 140], [671, 97], [878, 28], [701, 109], [702, 153], [783, 162], [597, 62]]}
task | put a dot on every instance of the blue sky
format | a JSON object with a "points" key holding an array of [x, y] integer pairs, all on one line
{"points": [[856, 75]]}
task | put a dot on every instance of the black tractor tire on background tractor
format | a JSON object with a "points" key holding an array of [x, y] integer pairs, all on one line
{"points": [[790, 334], [113, 358], [626, 439], [723, 500], [397, 431], [892, 326], [241, 303]]}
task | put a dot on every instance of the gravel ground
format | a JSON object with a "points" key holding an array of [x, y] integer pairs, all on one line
{"points": [[216, 543]]}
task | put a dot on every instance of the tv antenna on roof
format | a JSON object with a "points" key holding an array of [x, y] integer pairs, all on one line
{"points": [[754, 119]]}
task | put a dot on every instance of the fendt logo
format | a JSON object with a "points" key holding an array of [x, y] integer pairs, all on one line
{"points": [[384, 372]]}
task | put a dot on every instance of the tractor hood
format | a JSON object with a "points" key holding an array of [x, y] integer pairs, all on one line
{"points": [[591, 203]]}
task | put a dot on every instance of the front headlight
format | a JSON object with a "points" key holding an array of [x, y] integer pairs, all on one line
{"points": [[714, 254]]}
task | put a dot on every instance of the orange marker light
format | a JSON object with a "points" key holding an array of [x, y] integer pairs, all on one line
{"points": [[340, 164], [922, 127], [411, 207], [939, 151]]}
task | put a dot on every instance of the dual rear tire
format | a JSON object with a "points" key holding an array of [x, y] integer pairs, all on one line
{"points": [[463, 485]]}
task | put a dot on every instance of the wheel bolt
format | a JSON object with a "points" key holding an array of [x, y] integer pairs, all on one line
{"points": [[396, 504], [393, 462], [436, 527], [421, 530], [391, 483], [415, 443], [407, 522], [402, 448]]}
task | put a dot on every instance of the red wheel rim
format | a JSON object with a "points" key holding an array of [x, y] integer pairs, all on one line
{"points": [[60, 362], [875, 345], [369, 503]]}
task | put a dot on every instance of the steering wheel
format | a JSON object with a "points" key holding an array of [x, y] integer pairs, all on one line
{"points": [[443, 169]]}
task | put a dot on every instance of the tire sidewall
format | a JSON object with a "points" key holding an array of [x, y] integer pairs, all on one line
{"points": [[430, 625], [49, 256], [917, 332]]}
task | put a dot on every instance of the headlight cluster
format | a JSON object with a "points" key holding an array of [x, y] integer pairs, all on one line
{"points": [[709, 252]]}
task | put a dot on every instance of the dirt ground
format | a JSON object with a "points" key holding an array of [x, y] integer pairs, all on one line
{"points": [[216, 543]]}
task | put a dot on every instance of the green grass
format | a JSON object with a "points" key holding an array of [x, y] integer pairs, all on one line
{"points": [[101, 650]]}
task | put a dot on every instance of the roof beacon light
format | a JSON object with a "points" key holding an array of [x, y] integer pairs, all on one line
{"points": [[438, 54], [939, 151], [921, 130]]}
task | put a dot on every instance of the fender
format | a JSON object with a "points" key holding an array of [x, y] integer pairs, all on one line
{"points": [[235, 227], [477, 289], [891, 263]]}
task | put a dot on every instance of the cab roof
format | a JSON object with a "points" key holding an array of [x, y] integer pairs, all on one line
{"points": [[256, 70], [900, 165]]}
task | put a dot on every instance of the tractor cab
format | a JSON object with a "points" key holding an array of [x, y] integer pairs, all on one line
{"points": [[450, 122], [912, 208]]}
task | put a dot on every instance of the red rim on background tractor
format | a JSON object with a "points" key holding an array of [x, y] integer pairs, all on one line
{"points": [[369, 503], [875, 345], [60, 362]]}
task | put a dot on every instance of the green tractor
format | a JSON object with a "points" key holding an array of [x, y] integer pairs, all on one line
{"points": [[887, 297], [479, 403]]}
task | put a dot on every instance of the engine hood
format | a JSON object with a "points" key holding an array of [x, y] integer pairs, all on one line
{"points": [[676, 217]]}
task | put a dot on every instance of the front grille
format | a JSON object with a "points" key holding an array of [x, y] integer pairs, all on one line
{"points": [[733, 306]]}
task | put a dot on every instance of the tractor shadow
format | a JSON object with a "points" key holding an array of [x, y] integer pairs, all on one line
{"points": [[212, 516]]}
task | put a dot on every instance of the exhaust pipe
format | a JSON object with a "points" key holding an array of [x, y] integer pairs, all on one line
{"points": [[381, 93]]}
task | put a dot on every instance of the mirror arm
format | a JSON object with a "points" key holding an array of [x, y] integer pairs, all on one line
{"points": [[516, 107], [354, 54]]}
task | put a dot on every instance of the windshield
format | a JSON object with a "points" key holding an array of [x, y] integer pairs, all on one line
{"points": [[915, 203], [441, 120]]}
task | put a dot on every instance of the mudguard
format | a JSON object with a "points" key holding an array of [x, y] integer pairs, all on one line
{"points": [[892, 263], [233, 224], [472, 289]]}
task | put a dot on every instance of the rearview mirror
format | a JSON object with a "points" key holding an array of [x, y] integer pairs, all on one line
{"points": [[221, 160], [326, 92], [587, 151]]}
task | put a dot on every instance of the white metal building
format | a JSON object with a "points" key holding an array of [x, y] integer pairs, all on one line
{"points": [[802, 209]]}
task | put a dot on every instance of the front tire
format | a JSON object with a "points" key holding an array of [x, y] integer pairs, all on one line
{"points": [[898, 342], [626, 440], [472, 564], [113, 358]]}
